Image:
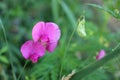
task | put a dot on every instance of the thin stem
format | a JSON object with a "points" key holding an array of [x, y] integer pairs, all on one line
{"points": [[4, 31], [94, 66], [65, 52], [55, 10], [23, 69], [116, 47]]}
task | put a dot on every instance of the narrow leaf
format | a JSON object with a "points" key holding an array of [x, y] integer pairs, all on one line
{"points": [[92, 67], [105, 9], [4, 59], [4, 49], [55, 9], [68, 13]]}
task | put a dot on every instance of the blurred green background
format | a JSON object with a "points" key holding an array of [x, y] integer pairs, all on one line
{"points": [[19, 17]]}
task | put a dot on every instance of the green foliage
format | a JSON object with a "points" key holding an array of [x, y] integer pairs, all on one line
{"points": [[114, 13], [68, 13], [18, 18], [96, 65]]}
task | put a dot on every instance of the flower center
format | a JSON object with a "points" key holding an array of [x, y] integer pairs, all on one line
{"points": [[44, 40], [34, 58]]}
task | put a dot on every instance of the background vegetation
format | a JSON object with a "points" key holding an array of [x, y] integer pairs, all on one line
{"points": [[102, 27]]}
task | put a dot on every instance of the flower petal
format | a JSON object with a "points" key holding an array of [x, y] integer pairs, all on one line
{"points": [[51, 46], [53, 32], [34, 58], [26, 49], [100, 55], [47, 33], [38, 30], [39, 49], [32, 50]]}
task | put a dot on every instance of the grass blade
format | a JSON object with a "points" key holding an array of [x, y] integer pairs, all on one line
{"points": [[68, 13], [105, 9], [91, 68], [4, 31], [55, 10]]}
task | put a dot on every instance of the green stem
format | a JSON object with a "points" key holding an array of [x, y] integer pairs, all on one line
{"points": [[65, 52], [55, 10], [94, 66], [23, 69], [4, 31], [68, 12]]}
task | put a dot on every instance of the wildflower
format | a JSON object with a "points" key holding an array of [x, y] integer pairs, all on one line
{"points": [[47, 34], [45, 37], [32, 50], [100, 55]]}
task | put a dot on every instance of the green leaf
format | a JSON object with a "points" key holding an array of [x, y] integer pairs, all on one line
{"points": [[4, 59], [54, 5], [94, 66], [4, 49], [68, 13], [105, 9]]}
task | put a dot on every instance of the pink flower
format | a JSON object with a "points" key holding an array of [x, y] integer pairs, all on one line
{"points": [[32, 50], [100, 55], [47, 34], [45, 37]]}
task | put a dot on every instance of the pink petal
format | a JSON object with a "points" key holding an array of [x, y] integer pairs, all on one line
{"points": [[47, 33], [38, 30], [26, 49], [32, 50], [38, 49], [51, 46], [53, 32], [34, 58], [100, 55]]}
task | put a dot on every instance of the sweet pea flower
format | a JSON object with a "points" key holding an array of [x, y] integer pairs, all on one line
{"points": [[32, 50], [101, 54], [45, 37], [47, 33]]}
